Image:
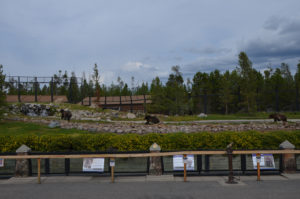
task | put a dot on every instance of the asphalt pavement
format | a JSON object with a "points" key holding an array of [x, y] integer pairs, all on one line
{"points": [[158, 187]]}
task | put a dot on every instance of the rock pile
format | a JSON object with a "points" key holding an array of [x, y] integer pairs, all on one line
{"points": [[33, 109], [123, 128], [100, 116]]}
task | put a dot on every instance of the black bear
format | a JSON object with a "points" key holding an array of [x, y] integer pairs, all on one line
{"points": [[278, 117], [151, 119], [65, 114]]}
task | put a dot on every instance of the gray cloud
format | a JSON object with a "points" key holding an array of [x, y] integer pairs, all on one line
{"points": [[41, 37], [281, 43], [208, 50]]}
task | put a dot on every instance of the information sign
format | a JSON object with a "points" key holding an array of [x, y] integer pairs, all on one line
{"points": [[266, 161], [93, 165], [1, 162], [178, 164]]}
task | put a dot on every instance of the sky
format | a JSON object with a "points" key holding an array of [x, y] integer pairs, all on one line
{"points": [[145, 38]]}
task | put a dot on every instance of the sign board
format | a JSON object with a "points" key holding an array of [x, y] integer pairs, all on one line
{"points": [[93, 165], [112, 163], [1, 162], [266, 161], [178, 163]]}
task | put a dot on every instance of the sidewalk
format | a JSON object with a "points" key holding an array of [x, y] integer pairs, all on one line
{"points": [[149, 187], [164, 178]]}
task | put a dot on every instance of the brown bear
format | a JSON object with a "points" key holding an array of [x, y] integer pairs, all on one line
{"points": [[278, 117], [151, 119], [65, 114]]}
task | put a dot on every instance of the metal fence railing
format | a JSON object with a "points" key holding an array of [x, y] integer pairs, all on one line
{"points": [[137, 163]]}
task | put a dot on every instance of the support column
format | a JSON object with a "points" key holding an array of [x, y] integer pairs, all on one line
{"points": [[155, 167], [52, 84], [35, 89], [23, 166], [229, 151], [288, 160], [19, 90]]}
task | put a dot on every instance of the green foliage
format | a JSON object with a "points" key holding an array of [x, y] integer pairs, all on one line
{"points": [[135, 142], [248, 87], [73, 91], [2, 93]]}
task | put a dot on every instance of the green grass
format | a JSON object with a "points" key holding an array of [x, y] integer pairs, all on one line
{"points": [[9, 128]]}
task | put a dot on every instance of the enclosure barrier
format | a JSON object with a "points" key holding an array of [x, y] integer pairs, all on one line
{"points": [[153, 154]]}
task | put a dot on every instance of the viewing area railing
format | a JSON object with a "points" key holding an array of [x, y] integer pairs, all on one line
{"points": [[217, 162]]}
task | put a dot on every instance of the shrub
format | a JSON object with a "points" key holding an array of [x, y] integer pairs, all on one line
{"points": [[135, 142]]}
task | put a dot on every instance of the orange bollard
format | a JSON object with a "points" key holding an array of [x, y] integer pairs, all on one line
{"points": [[184, 167], [258, 166]]}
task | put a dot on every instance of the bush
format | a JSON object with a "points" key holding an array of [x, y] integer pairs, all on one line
{"points": [[134, 142]]}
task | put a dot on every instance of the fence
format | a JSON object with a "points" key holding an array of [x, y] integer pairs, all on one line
{"points": [[137, 163]]}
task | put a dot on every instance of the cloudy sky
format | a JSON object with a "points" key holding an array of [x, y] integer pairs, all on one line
{"points": [[145, 38]]}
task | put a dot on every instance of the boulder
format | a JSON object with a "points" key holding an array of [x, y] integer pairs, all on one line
{"points": [[202, 115], [131, 116], [54, 124]]}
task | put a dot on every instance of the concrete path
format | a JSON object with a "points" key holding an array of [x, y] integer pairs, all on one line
{"points": [[285, 186]]}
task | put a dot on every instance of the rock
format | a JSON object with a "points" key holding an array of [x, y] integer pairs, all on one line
{"points": [[119, 131], [131, 116], [54, 124], [92, 129], [202, 115]]}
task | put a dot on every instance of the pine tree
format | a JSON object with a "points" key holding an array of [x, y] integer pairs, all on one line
{"points": [[96, 78], [248, 83], [73, 91]]}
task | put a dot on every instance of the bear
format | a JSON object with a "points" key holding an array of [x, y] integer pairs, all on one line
{"points": [[151, 119], [65, 114], [278, 117]]}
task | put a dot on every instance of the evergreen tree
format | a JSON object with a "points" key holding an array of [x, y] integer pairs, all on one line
{"points": [[248, 83], [176, 94], [215, 82], [158, 97], [226, 91], [297, 85], [142, 90], [125, 91], [73, 91], [200, 88], [96, 78]]}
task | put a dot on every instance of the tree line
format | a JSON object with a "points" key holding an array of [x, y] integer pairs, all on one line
{"points": [[244, 89]]}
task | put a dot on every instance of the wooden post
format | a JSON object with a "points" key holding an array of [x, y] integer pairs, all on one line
{"points": [[258, 166], [229, 153], [39, 170], [19, 90], [145, 109], [112, 165], [184, 167]]}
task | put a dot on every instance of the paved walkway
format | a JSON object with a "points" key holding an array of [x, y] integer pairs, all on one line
{"points": [[284, 186]]}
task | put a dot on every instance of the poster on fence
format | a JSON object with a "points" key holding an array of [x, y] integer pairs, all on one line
{"points": [[1, 162], [266, 161], [93, 165], [178, 163]]}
